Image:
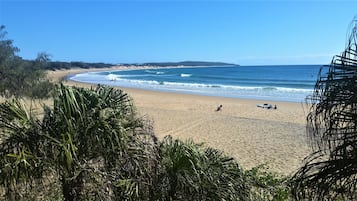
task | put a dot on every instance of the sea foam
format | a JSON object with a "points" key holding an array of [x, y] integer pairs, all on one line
{"points": [[261, 82], [185, 75]]}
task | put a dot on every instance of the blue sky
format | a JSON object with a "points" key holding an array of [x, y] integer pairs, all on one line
{"points": [[242, 32]]}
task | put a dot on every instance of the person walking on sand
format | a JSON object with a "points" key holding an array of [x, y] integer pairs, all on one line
{"points": [[219, 108]]}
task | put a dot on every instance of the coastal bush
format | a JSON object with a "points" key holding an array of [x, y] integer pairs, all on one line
{"points": [[20, 77], [90, 138], [188, 171], [330, 172], [266, 185], [91, 145]]}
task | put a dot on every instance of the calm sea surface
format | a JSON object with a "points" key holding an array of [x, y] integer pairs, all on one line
{"points": [[282, 83]]}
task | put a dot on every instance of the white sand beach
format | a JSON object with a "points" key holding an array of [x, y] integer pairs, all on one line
{"points": [[251, 135]]}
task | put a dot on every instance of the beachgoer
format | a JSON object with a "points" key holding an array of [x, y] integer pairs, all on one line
{"points": [[219, 108], [275, 107]]}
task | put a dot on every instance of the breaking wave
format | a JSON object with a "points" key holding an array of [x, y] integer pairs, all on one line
{"points": [[185, 75], [112, 77], [267, 83]]}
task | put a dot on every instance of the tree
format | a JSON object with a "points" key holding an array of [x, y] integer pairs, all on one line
{"points": [[7, 50], [330, 171], [89, 138], [20, 77]]}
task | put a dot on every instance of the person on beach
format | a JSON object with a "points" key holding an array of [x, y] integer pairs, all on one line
{"points": [[219, 108]]}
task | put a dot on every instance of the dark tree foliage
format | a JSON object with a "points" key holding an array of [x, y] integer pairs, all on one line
{"points": [[7, 50], [330, 172], [20, 77], [56, 65]]}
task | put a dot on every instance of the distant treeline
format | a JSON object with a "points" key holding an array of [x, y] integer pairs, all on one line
{"points": [[55, 65]]}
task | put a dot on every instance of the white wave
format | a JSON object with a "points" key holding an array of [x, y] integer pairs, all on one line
{"points": [[294, 90], [185, 75], [141, 82], [112, 77], [268, 92], [240, 88], [201, 86], [155, 72], [190, 85], [152, 82]]}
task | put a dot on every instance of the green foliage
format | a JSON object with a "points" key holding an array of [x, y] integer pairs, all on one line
{"points": [[330, 172], [20, 77], [21, 148], [266, 185], [55, 65], [7, 50], [88, 134], [91, 145], [191, 172]]}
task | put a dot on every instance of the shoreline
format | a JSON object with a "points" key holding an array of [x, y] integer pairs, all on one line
{"points": [[251, 135], [72, 72]]}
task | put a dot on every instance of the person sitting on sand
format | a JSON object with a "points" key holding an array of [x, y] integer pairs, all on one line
{"points": [[219, 108], [275, 107]]}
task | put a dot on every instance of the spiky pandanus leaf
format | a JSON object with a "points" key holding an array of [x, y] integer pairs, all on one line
{"points": [[330, 171], [190, 171], [21, 148], [99, 125], [92, 133]]}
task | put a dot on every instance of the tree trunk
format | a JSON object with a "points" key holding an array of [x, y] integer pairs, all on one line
{"points": [[72, 188], [173, 185]]}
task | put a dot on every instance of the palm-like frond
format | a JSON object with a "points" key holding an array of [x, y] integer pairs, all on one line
{"points": [[88, 132], [21, 148], [100, 124], [190, 171], [331, 171], [94, 141]]}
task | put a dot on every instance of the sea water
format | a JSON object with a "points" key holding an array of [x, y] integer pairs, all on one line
{"points": [[282, 83]]}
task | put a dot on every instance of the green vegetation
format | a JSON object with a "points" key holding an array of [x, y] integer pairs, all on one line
{"points": [[330, 172], [190, 172], [87, 135], [266, 185], [56, 65], [92, 146], [20, 77]]}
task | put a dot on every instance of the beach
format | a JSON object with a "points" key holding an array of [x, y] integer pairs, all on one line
{"points": [[251, 135]]}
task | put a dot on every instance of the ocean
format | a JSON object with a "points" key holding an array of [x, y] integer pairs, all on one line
{"points": [[280, 83]]}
